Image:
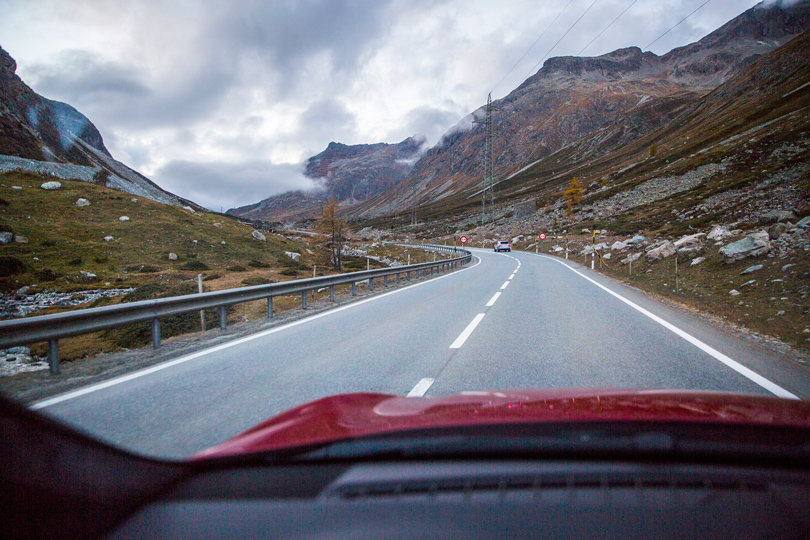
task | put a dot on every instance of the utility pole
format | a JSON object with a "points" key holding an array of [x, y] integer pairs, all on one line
{"points": [[488, 185]]}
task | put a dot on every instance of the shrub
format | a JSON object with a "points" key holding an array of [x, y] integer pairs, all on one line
{"points": [[258, 264], [196, 266], [237, 268], [256, 281], [10, 266]]}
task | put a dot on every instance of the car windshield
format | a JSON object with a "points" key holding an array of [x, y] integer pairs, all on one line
{"points": [[415, 215]]}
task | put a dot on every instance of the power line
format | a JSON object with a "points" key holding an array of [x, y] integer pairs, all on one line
{"points": [[559, 40], [676, 24], [608, 26], [532, 46]]}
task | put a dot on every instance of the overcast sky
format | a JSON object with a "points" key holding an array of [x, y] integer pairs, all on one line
{"points": [[221, 101]]}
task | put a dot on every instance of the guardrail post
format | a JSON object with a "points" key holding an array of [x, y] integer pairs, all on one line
{"points": [[397, 277], [408, 274], [269, 307], [331, 293], [370, 284], [223, 323], [53, 356], [354, 289], [385, 280], [155, 333], [303, 299]]}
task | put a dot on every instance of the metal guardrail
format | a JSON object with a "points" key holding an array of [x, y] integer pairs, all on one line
{"points": [[51, 328]]}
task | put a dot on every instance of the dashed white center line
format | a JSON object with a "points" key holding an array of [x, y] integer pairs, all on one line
{"points": [[467, 331], [420, 388], [513, 275], [493, 299], [505, 285]]}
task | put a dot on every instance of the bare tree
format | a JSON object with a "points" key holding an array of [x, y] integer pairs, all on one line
{"points": [[334, 228]]}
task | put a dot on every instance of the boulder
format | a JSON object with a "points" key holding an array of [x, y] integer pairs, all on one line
{"points": [[689, 241], [294, 256], [689, 252], [637, 239], [518, 238], [618, 246], [557, 249], [6, 237], [109, 238], [190, 209], [631, 258], [776, 215], [698, 260], [776, 230], [752, 245], [600, 247], [606, 256], [172, 256], [21, 293], [258, 236], [20, 239], [804, 223], [666, 249], [123, 218], [718, 232], [751, 269], [734, 292], [82, 203], [51, 185]]}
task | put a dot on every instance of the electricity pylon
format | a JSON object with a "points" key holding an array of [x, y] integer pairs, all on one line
{"points": [[488, 185]]}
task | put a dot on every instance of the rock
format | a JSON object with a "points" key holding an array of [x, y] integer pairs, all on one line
{"points": [[688, 241], [776, 215], [223, 242], [82, 203], [752, 245], [258, 236], [747, 283], [752, 269], [518, 238], [190, 209], [787, 267], [21, 293], [557, 249], [606, 256], [123, 218], [690, 252], [780, 313], [666, 249], [16, 187], [294, 256], [631, 258], [601, 246], [51, 185], [718, 232], [586, 231], [134, 199], [618, 246], [775, 230], [804, 223], [87, 274], [734, 292], [20, 239], [172, 256], [637, 239], [697, 261], [6, 237], [109, 238]]}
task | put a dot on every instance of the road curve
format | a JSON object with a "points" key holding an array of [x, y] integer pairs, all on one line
{"points": [[509, 320]]}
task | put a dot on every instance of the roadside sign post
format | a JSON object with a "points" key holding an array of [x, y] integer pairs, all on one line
{"points": [[593, 253], [566, 246], [541, 237]]}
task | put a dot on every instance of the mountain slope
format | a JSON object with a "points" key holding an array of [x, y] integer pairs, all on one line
{"points": [[606, 102], [347, 174], [36, 133]]}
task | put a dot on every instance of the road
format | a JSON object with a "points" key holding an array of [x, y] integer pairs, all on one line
{"points": [[507, 321]]}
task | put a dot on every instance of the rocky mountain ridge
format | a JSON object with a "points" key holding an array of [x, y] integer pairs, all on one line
{"points": [[43, 136], [346, 173]]}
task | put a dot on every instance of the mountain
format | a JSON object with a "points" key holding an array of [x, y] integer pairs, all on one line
{"points": [[45, 136], [348, 174], [600, 104]]}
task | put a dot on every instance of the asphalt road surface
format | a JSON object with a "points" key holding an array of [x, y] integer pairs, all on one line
{"points": [[507, 321]]}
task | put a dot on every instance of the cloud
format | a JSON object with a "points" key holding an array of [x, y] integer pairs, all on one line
{"points": [[223, 185]]}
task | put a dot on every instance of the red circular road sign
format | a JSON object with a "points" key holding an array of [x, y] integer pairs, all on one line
{"points": [[463, 239], [542, 236]]}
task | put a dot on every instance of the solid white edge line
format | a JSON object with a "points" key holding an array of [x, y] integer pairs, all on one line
{"points": [[505, 284], [467, 331], [421, 387], [147, 371], [736, 366], [493, 299]]}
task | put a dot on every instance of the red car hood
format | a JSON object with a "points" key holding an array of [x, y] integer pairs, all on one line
{"points": [[348, 416]]}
